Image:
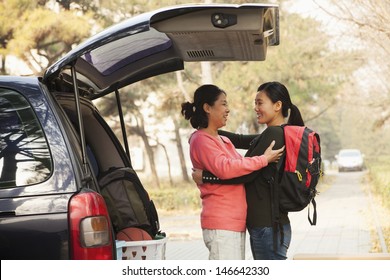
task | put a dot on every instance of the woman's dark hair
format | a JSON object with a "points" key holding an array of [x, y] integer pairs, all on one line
{"points": [[194, 111], [278, 92]]}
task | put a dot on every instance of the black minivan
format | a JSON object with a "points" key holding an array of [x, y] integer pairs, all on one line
{"points": [[54, 143]]}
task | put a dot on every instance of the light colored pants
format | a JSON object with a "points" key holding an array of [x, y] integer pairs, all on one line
{"points": [[224, 244]]}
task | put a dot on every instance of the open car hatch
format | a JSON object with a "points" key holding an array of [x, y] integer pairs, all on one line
{"points": [[159, 42]]}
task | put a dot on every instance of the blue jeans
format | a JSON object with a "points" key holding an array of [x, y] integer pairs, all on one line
{"points": [[262, 243]]}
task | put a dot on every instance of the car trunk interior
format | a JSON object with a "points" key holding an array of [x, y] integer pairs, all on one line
{"points": [[103, 148]]}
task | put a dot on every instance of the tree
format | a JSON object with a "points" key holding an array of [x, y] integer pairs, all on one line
{"points": [[313, 71], [369, 22], [10, 12], [363, 112], [33, 32]]}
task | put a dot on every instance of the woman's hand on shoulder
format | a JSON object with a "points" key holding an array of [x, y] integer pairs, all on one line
{"points": [[273, 155]]}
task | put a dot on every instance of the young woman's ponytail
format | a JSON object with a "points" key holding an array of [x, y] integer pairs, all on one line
{"points": [[187, 110], [197, 118], [295, 117]]}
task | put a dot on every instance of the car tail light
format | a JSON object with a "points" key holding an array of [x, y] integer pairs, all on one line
{"points": [[90, 228], [94, 231]]}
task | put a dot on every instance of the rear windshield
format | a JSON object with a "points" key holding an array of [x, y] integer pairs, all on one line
{"points": [[349, 153], [24, 154], [112, 56]]}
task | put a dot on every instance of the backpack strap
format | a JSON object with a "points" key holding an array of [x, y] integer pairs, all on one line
{"points": [[275, 199], [275, 208], [313, 221]]}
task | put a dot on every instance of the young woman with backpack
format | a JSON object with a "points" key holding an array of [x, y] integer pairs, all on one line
{"points": [[224, 209], [273, 106]]}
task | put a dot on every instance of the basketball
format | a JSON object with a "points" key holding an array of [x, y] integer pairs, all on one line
{"points": [[133, 234]]}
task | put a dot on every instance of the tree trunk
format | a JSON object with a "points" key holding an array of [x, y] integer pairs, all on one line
{"points": [[180, 151], [2, 70], [139, 130], [168, 161], [207, 77], [177, 130], [150, 154]]}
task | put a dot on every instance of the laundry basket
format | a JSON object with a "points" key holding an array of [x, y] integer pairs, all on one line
{"points": [[141, 250]]}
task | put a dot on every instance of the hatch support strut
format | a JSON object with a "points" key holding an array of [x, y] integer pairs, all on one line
{"points": [[123, 127], [86, 175]]}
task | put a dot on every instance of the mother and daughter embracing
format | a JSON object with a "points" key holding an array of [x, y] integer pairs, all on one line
{"points": [[234, 190]]}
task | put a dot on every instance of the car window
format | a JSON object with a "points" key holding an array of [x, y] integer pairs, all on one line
{"points": [[117, 54], [24, 155], [350, 153]]}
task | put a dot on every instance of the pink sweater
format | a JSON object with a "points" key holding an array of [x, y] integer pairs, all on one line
{"points": [[223, 206]]}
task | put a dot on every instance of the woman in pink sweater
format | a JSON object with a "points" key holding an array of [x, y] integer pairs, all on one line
{"points": [[223, 217]]}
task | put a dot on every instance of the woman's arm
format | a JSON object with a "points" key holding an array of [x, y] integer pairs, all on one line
{"points": [[240, 141], [209, 154], [258, 148], [204, 176]]}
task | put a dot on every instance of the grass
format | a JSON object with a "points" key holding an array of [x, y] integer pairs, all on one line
{"points": [[380, 178], [181, 197], [325, 182], [379, 182]]}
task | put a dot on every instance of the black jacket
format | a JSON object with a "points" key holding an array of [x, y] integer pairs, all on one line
{"points": [[257, 184]]}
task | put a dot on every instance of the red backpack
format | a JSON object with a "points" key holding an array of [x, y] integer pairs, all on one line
{"points": [[297, 175], [299, 171]]}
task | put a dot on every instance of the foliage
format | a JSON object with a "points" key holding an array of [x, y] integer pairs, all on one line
{"points": [[362, 116], [182, 196], [314, 74], [36, 34], [48, 34], [380, 175]]}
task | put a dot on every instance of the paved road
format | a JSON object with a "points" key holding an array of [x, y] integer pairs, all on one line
{"points": [[343, 226]]}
